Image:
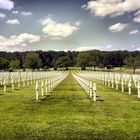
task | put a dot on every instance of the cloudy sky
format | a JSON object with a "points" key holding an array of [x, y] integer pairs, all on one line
{"points": [[69, 25]]}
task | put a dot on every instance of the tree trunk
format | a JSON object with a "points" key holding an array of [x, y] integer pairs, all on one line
{"points": [[134, 70]]}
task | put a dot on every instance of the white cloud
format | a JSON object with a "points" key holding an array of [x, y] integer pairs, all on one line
{"points": [[112, 8], [84, 6], [15, 12], [86, 48], [12, 49], [13, 21], [118, 27], [26, 13], [138, 49], [137, 18], [137, 13], [133, 46], [133, 32], [6, 4], [23, 13], [56, 30], [17, 41], [2, 15], [108, 47], [78, 23]]}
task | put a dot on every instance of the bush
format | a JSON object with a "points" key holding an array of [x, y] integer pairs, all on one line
{"points": [[109, 67], [55, 68], [10, 70], [46, 68], [66, 68], [83, 68]]}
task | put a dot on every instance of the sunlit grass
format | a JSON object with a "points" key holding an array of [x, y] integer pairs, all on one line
{"points": [[69, 113]]}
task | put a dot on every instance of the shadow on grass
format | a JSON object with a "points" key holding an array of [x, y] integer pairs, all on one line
{"points": [[100, 100], [45, 97]]}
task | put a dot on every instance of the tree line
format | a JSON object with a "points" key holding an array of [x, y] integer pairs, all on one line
{"points": [[52, 59]]}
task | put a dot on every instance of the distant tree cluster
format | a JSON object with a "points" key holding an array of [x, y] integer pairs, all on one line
{"points": [[51, 59], [109, 60], [36, 60]]}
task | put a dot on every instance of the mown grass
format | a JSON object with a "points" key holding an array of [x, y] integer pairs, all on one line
{"points": [[69, 113]]}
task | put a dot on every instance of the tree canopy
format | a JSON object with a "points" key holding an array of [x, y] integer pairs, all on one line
{"points": [[4, 63], [42, 59], [133, 62], [14, 64], [33, 61]]}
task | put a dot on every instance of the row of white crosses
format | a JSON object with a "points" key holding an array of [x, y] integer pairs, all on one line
{"points": [[49, 85], [24, 78], [87, 85], [114, 80]]}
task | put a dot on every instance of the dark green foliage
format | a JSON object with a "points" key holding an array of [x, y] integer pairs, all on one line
{"points": [[63, 61], [33, 61], [55, 68], [83, 68], [133, 62], [49, 59], [109, 67], [83, 59], [4, 63], [14, 64]]}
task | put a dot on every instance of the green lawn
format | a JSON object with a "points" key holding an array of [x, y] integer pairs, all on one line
{"points": [[69, 113]]}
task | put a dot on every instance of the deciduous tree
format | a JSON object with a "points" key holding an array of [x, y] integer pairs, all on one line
{"points": [[4, 64], [33, 61], [133, 62], [14, 64]]}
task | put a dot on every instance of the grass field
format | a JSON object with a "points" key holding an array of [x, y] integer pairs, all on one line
{"points": [[69, 113]]}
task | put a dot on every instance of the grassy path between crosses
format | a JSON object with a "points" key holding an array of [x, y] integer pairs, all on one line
{"points": [[68, 113]]}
